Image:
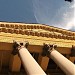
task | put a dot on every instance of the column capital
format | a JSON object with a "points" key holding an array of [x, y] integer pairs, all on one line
{"points": [[47, 49], [18, 45]]}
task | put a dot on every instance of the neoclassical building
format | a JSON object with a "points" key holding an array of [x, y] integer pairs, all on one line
{"points": [[36, 35]]}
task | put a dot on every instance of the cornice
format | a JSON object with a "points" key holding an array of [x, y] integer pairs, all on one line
{"points": [[21, 28]]}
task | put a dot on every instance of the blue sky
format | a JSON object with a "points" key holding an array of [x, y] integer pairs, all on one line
{"points": [[16, 11], [56, 13]]}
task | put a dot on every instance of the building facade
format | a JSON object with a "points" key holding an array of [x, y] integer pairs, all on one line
{"points": [[36, 35]]}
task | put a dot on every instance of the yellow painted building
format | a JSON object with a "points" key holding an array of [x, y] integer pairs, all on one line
{"points": [[36, 35]]}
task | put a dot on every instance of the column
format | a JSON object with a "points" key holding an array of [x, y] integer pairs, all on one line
{"points": [[29, 63], [67, 66]]}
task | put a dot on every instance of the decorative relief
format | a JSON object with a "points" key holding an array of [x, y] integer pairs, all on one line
{"points": [[37, 30]]}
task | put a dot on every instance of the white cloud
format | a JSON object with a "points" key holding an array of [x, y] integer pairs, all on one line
{"points": [[70, 24], [55, 12]]}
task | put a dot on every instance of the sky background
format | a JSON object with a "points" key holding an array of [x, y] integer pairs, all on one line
{"points": [[58, 13]]}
